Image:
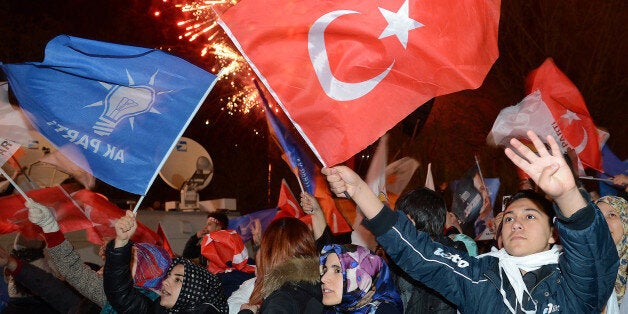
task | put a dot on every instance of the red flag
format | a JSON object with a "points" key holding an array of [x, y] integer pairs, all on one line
{"points": [[287, 203], [225, 251], [69, 216], [104, 215], [576, 127], [335, 220], [164, 240], [345, 72]]}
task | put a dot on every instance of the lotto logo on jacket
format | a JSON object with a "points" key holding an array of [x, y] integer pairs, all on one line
{"points": [[453, 257]]}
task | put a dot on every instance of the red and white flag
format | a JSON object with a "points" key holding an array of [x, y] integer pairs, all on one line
{"points": [[554, 106], [14, 215], [104, 214], [345, 72], [289, 206], [225, 251], [287, 203]]}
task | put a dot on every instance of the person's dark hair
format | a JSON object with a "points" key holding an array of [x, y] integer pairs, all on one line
{"points": [[427, 208], [221, 217], [536, 198]]}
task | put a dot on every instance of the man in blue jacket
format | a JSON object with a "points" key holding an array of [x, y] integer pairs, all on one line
{"points": [[530, 275]]}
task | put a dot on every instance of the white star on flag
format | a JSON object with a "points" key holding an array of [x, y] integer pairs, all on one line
{"points": [[399, 23], [570, 115]]}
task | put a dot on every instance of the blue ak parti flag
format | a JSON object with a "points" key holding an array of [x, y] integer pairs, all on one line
{"points": [[299, 161], [124, 107]]}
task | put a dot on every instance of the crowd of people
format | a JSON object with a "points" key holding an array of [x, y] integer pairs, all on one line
{"points": [[556, 250]]}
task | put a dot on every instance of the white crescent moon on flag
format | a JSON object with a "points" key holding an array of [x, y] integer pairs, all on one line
{"points": [[583, 144], [334, 88], [296, 208]]}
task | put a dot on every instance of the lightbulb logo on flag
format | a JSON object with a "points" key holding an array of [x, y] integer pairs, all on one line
{"points": [[125, 102], [107, 99]]}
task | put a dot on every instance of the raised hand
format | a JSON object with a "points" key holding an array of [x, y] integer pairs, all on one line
{"points": [[342, 179], [41, 216], [311, 206], [309, 203], [125, 228], [256, 232], [549, 171]]}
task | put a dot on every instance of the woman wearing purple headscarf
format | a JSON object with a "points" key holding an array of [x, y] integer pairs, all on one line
{"points": [[354, 280]]}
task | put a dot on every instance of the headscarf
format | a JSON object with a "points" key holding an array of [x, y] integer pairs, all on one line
{"points": [[152, 262], [199, 287], [621, 205], [366, 279]]}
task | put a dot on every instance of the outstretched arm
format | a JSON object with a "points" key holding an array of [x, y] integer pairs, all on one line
{"points": [[342, 179], [310, 205], [549, 171]]}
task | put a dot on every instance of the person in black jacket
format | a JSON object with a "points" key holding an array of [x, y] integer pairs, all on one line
{"points": [[187, 287], [426, 210]]}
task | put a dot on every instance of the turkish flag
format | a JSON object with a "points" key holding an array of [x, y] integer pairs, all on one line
{"points": [[225, 251], [104, 214], [575, 126], [345, 72], [14, 215], [287, 203]]}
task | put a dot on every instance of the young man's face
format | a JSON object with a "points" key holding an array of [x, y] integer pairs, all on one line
{"points": [[212, 225], [526, 229]]}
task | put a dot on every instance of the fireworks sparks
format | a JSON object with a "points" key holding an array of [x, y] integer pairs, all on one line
{"points": [[200, 22]]}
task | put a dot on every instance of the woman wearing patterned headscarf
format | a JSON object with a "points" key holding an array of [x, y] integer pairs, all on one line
{"points": [[187, 288], [615, 210], [354, 280]]}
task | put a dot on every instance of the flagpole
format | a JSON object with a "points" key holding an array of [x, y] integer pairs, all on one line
{"points": [[138, 204], [477, 162], [15, 185], [597, 179], [299, 180]]}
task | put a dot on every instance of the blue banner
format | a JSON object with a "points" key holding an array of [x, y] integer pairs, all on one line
{"points": [[124, 107], [299, 161], [244, 224]]}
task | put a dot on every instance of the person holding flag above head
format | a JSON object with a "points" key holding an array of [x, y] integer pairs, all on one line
{"points": [[186, 287], [530, 274]]}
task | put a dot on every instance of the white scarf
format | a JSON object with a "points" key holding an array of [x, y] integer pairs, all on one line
{"points": [[512, 266]]}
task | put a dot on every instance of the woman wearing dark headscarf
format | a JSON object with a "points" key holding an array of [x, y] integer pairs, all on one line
{"points": [[187, 288], [357, 281]]}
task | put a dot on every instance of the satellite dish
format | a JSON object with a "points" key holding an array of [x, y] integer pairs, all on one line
{"points": [[183, 163]]}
